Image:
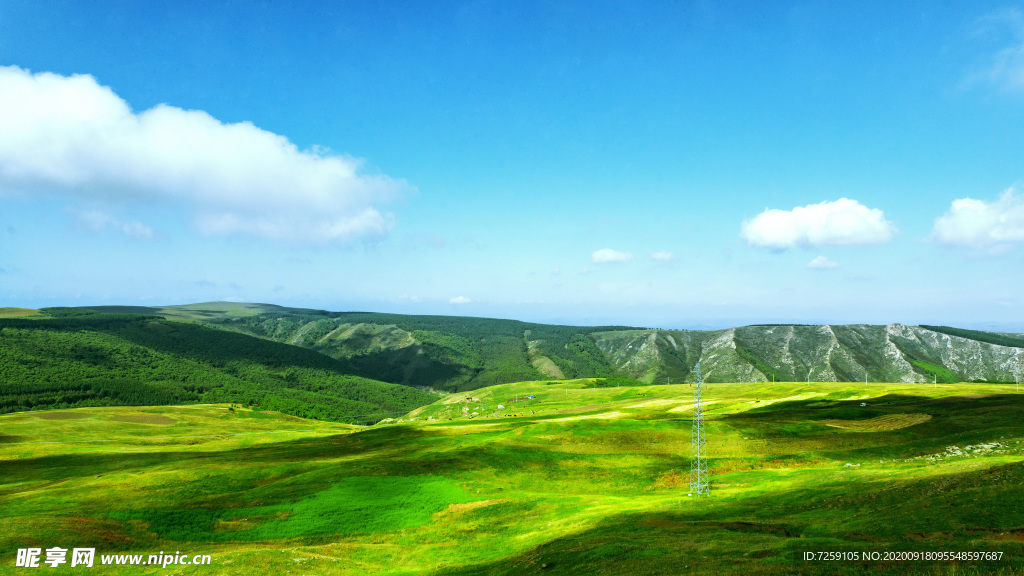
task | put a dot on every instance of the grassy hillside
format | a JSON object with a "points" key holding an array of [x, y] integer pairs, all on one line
{"points": [[66, 358], [460, 353], [578, 480], [17, 312], [442, 352], [204, 311]]}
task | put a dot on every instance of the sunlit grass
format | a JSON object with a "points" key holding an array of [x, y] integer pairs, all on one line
{"points": [[584, 480]]}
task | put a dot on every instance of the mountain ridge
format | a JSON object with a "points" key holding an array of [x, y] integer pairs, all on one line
{"points": [[463, 353], [458, 353]]}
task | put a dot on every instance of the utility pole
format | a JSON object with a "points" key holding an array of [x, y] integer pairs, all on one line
{"points": [[698, 447]]}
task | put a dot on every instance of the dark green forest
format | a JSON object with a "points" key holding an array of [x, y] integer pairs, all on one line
{"points": [[989, 337], [72, 358]]}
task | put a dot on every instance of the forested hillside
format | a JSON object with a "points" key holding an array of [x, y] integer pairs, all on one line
{"points": [[71, 357], [337, 365], [442, 352], [458, 353]]}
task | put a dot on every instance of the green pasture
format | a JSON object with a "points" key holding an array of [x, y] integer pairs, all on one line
{"points": [[580, 479], [17, 312]]}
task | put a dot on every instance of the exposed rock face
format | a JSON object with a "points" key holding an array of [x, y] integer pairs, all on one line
{"points": [[848, 353]]}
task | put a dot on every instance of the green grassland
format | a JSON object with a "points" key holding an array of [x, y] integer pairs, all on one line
{"points": [[204, 311], [581, 479], [17, 312]]}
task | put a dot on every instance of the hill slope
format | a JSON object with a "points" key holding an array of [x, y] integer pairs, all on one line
{"points": [[88, 359], [460, 353], [848, 353], [443, 352]]}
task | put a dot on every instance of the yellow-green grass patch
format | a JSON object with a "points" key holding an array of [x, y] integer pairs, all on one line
{"points": [[145, 419], [17, 312], [63, 415], [601, 416], [880, 423]]}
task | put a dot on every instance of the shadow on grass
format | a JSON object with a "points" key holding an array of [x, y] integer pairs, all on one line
{"points": [[770, 535], [385, 441], [953, 419]]}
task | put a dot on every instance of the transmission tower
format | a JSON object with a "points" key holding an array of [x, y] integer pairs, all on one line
{"points": [[698, 448]]}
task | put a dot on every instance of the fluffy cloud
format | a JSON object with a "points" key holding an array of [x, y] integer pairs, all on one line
{"points": [[459, 300], [822, 263], [663, 256], [977, 224], [606, 255], [70, 135], [842, 222]]}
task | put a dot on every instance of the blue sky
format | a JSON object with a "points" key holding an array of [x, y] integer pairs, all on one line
{"points": [[659, 164]]}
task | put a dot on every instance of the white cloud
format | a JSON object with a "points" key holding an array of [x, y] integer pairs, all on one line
{"points": [[606, 255], [822, 263], [841, 222], [663, 256], [459, 300], [977, 224], [70, 135], [98, 221], [1006, 67], [136, 229]]}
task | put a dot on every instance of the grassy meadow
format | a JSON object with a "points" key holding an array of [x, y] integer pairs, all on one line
{"points": [[581, 479]]}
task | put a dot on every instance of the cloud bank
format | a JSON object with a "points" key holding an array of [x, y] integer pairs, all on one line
{"points": [[841, 222], [981, 225], [69, 135], [663, 256], [459, 300], [607, 255]]}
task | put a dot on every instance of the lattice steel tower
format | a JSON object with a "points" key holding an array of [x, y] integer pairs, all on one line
{"points": [[698, 448]]}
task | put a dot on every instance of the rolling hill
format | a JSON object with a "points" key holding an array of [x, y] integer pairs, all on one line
{"points": [[73, 357], [346, 365], [442, 352], [461, 353]]}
